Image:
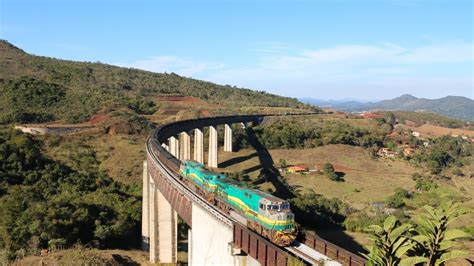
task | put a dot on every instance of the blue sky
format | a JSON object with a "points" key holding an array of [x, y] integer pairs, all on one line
{"points": [[330, 49]]}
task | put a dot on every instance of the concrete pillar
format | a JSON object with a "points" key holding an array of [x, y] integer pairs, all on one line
{"points": [[167, 231], [212, 159], [185, 144], [198, 145], [208, 240], [174, 146], [145, 209], [227, 138], [153, 225], [166, 147], [190, 246]]}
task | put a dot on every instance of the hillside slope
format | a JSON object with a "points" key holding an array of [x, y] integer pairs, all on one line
{"points": [[39, 89]]}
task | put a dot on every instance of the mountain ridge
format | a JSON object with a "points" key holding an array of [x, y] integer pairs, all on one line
{"points": [[459, 107]]}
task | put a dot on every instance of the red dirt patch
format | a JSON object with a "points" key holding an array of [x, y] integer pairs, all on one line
{"points": [[170, 112], [206, 113], [179, 98], [98, 119]]}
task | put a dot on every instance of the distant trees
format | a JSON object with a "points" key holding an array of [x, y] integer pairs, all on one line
{"points": [[298, 133], [444, 152]]}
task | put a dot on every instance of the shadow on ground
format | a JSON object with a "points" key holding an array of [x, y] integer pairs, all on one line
{"points": [[124, 260], [268, 168], [237, 160]]}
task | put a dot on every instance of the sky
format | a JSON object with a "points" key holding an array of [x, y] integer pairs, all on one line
{"points": [[332, 49]]}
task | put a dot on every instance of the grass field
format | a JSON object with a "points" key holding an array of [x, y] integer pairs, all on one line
{"points": [[428, 130], [365, 180]]}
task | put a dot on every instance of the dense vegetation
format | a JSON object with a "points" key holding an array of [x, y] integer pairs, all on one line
{"points": [[46, 203], [300, 133], [444, 152], [420, 118], [85, 88]]}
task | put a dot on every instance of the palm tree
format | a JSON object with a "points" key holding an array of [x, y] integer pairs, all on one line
{"points": [[435, 240], [391, 243]]}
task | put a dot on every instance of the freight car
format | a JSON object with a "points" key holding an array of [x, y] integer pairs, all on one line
{"points": [[266, 214]]}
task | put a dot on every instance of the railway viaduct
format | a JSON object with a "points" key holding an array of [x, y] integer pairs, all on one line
{"points": [[214, 238]]}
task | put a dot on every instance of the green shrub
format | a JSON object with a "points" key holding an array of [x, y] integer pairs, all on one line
{"points": [[397, 200], [48, 203]]}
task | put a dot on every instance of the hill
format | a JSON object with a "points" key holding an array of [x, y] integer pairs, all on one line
{"points": [[452, 106], [40, 89]]}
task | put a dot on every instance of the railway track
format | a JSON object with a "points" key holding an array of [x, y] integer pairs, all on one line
{"points": [[308, 251]]}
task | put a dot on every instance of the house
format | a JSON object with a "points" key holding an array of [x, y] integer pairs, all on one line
{"points": [[296, 169], [385, 152]]}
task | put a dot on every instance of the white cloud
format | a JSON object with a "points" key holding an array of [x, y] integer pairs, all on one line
{"points": [[296, 72], [175, 64]]}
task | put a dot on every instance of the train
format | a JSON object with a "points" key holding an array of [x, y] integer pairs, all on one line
{"points": [[266, 214]]}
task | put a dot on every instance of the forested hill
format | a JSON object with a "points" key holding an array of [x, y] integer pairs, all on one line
{"points": [[37, 89], [451, 106]]}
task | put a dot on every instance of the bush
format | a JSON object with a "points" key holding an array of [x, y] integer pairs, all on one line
{"points": [[360, 221], [397, 200], [328, 170], [47, 203], [457, 172]]}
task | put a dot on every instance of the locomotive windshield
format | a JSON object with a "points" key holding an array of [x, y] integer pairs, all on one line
{"points": [[277, 207]]}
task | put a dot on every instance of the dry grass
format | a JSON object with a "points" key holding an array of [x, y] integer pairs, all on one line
{"points": [[374, 179], [84, 256], [121, 156], [427, 131]]}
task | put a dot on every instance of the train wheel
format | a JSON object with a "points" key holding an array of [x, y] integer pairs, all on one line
{"points": [[283, 239]]}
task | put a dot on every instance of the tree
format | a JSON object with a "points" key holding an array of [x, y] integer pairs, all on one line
{"points": [[435, 240], [328, 169], [390, 118], [397, 200], [391, 244]]}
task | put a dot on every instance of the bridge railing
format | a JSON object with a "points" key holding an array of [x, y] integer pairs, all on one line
{"points": [[331, 250]]}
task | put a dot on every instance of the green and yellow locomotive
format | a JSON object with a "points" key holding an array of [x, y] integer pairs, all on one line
{"points": [[266, 214]]}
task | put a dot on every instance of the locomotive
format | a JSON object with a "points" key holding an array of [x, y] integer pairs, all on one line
{"points": [[266, 214]]}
